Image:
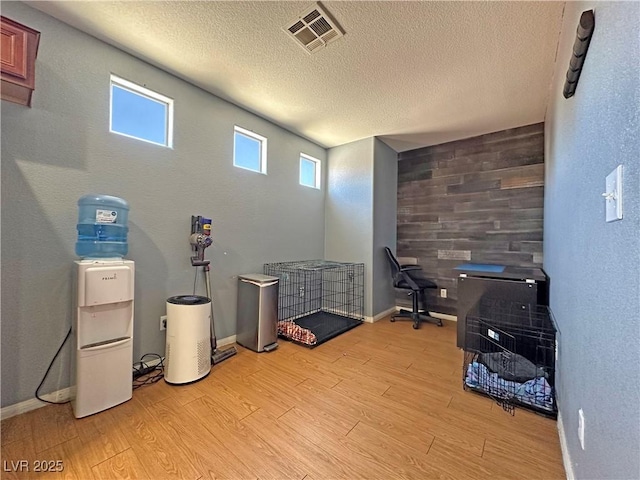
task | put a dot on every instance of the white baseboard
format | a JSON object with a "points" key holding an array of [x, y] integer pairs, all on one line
{"points": [[66, 393], [33, 403], [441, 316], [444, 316], [379, 316], [226, 341], [566, 459]]}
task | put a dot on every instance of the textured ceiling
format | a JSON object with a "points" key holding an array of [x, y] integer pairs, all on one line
{"points": [[413, 73]]}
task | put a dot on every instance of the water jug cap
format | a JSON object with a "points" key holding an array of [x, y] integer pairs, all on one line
{"points": [[104, 200]]}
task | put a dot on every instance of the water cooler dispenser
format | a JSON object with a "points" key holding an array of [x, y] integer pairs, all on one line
{"points": [[104, 295], [103, 335]]}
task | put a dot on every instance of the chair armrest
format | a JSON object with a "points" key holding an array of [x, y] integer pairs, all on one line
{"points": [[408, 268], [408, 279], [407, 261]]}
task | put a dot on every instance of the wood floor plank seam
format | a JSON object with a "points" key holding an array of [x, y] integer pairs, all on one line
{"points": [[107, 459], [347, 434], [378, 402]]}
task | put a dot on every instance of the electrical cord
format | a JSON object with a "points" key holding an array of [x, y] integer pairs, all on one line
{"points": [[47, 373], [142, 374], [141, 368]]}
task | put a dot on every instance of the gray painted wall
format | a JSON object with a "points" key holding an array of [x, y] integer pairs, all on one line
{"points": [[594, 266], [385, 220], [360, 214], [349, 209], [61, 149]]}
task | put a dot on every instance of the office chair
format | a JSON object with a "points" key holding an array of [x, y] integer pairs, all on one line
{"points": [[410, 277]]}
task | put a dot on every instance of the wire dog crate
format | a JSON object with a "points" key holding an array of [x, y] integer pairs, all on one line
{"points": [[318, 299], [510, 355]]}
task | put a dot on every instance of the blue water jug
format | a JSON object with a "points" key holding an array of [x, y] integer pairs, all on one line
{"points": [[102, 227]]}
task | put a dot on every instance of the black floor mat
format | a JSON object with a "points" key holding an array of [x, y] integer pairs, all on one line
{"points": [[326, 326]]}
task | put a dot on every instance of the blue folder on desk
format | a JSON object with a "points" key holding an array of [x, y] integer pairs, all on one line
{"points": [[481, 267]]}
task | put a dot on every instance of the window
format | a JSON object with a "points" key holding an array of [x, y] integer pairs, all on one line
{"points": [[249, 150], [140, 113], [309, 171]]}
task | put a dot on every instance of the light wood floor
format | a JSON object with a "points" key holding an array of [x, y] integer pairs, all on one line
{"points": [[381, 401]]}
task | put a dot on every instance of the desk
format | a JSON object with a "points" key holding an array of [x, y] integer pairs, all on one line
{"points": [[516, 284]]}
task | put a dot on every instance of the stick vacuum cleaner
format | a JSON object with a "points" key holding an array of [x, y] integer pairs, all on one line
{"points": [[200, 239]]}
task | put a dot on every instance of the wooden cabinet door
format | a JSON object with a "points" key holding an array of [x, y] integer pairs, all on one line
{"points": [[14, 50], [18, 52]]}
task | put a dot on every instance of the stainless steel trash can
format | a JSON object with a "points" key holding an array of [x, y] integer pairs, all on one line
{"points": [[257, 322]]}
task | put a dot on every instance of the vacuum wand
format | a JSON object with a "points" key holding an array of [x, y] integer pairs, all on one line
{"points": [[217, 356], [207, 277], [200, 239]]}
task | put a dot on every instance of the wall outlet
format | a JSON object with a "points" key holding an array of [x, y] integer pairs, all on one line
{"points": [[443, 292], [163, 322], [581, 427]]}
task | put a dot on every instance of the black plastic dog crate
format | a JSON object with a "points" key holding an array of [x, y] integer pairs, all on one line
{"points": [[510, 354]]}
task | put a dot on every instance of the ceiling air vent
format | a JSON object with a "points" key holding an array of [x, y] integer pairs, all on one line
{"points": [[314, 29]]}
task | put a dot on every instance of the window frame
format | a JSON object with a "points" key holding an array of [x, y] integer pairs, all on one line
{"points": [[318, 170], [262, 161], [148, 94]]}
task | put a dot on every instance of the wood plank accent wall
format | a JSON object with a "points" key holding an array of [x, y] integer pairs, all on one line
{"points": [[475, 200]]}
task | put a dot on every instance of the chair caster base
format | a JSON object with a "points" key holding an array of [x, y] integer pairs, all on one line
{"points": [[424, 317]]}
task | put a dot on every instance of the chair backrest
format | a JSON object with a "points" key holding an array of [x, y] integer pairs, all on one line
{"points": [[393, 264]]}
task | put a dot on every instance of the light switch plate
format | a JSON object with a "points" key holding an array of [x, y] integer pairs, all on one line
{"points": [[581, 427], [613, 195]]}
